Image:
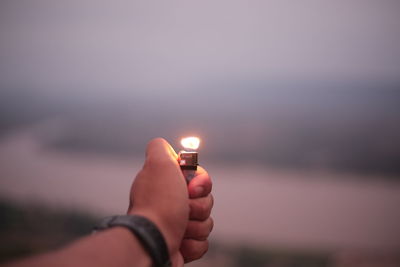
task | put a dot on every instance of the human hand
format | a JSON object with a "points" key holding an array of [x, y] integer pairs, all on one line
{"points": [[195, 244], [160, 193]]}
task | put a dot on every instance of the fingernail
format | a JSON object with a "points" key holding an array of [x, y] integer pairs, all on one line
{"points": [[198, 191]]}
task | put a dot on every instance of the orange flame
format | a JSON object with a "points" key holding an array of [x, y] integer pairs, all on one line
{"points": [[190, 143]]}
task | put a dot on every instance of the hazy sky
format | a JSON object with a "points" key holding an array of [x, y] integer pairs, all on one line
{"points": [[249, 73], [125, 47]]}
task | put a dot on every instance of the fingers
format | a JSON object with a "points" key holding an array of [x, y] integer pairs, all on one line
{"points": [[193, 249], [200, 185], [199, 230], [200, 208], [195, 244]]}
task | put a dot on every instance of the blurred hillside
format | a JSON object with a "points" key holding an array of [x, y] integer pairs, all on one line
{"points": [[306, 125], [35, 228]]}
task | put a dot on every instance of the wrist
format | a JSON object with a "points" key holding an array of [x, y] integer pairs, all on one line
{"points": [[145, 230], [170, 239], [129, 244]]}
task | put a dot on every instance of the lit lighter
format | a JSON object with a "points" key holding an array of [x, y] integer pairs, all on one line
{"points": [[188, 158]]}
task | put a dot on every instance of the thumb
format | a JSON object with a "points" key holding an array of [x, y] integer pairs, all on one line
{"points": [[159, 148], [161, 160]]}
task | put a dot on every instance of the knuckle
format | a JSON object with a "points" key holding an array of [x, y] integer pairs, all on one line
{"points": [[210, 224], [199, 250], [200, 208], [204, 248], [203, 208], [202, 232], [211, 201], [193, 250], [207, 182], [198, 230], [201, 237], [197, 209], [208, 187], [206, 207]]}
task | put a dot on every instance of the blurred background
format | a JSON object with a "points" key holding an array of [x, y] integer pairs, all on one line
{"points": [[297, 104]]}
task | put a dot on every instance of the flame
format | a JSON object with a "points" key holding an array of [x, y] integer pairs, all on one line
{"points": [[190, 143]]}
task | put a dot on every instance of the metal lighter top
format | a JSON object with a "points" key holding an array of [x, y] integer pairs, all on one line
{"points": [[188, 158]]}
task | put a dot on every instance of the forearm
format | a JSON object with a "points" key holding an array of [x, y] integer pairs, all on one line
{"points": [[160, 194], [114, 247]]}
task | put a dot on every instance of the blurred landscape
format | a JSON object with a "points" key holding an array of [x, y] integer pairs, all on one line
{"points": [[263, 216], [339, 126], [297, 106]]}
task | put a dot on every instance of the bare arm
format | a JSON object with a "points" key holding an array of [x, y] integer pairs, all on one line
{"points": [[113, 247], [160, 193]]}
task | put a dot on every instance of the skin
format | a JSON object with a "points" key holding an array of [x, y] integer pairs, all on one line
{"points": [[160, 193]]}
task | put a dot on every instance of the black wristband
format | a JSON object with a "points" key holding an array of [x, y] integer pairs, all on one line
{"points": [[147, 233]]}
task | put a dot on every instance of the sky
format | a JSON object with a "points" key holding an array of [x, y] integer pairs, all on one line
{"points": [[306, 78], [125, 48]]}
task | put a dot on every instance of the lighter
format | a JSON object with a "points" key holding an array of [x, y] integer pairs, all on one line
{"points": [[188, 158]]}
